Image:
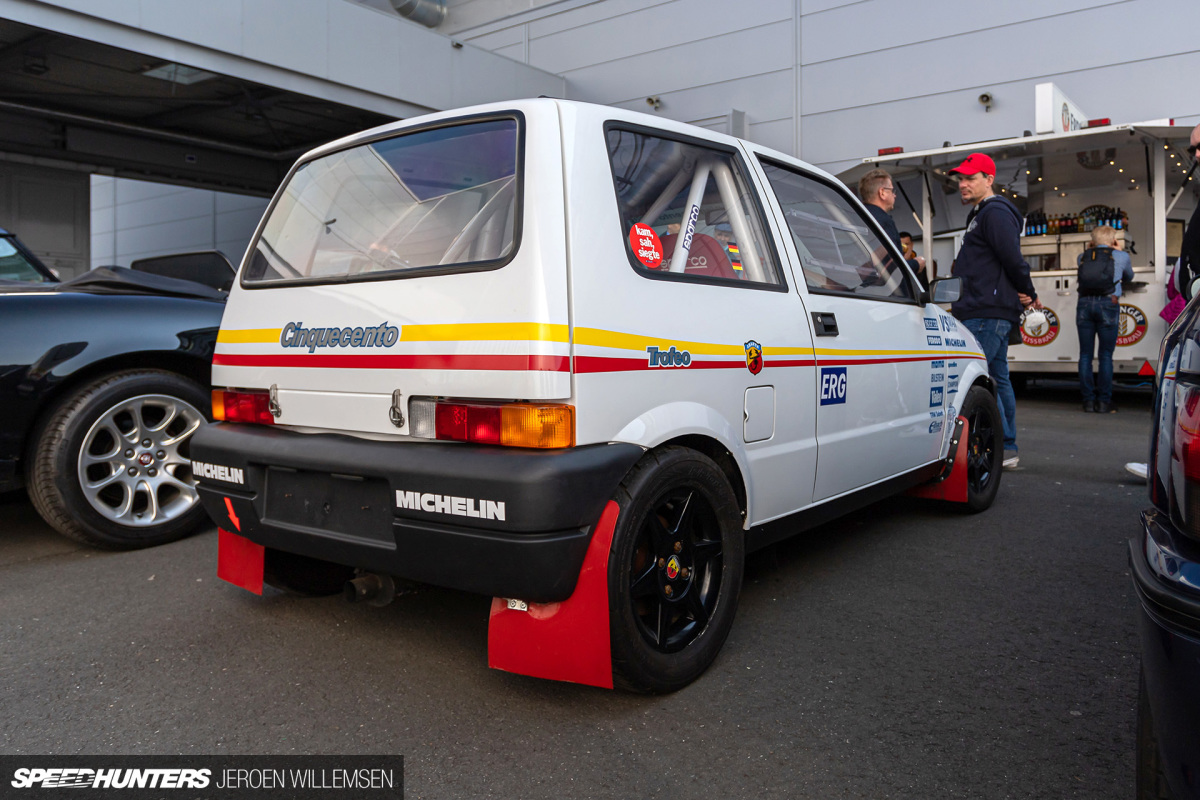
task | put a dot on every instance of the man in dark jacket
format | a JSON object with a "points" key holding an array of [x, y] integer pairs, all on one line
{"points": [[878, 192], [996, 282]]}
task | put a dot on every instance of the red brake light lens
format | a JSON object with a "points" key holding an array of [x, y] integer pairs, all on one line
{"points": [[230, 406], [541, 425]]}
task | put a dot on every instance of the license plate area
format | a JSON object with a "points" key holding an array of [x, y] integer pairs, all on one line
{"points": [[339, 504]]}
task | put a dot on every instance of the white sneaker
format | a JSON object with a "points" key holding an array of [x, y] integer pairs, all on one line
{"points": [[1136, 469], [1011, 462]]}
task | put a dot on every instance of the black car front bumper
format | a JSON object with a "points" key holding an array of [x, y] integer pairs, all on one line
{"points": [[1166, 575], [505, 522]]}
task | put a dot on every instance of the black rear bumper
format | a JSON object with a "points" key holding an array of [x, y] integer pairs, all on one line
{"points": [[505, 522]]}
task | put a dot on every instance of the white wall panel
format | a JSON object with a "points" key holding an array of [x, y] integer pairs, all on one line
{"points": [[104, 250], [566, 16], [705, 26], [776, 134], [762, 97], [181, 204], [497, 41], [1047, 52], [817, 6], [150, 219], [892, 25], [213, 23], [290, 33], [358, 30], [739, 54]]}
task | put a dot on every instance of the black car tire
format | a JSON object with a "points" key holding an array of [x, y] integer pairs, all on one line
{"points": [[54, 467], [666, 631], [985, 448], [1150, 783]]}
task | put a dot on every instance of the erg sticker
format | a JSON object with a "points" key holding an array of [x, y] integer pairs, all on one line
{"points": [[833, 385]]}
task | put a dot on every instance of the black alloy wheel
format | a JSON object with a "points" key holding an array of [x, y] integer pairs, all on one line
{"points": [[985, 448], [675, 570]]}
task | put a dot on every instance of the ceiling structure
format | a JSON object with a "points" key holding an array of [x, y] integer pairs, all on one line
{"points": [[123, 113]]}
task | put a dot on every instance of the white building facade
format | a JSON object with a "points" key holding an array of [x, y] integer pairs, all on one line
{"points": [[832, 81]]}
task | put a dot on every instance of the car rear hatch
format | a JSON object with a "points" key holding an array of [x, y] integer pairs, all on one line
{"points": [[412, 262]]}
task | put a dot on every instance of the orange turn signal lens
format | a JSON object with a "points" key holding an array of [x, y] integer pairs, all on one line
{"points": [[545, 426], [218, 405]]}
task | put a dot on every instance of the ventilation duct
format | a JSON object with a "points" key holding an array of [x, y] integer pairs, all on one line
{"points": [[429, 13]]}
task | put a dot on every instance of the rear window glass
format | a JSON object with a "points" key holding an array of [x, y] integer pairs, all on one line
{"points": [[688, 211], [441, 199]]}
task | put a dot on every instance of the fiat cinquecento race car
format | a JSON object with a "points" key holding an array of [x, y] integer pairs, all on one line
{"points": [[580, 360]]}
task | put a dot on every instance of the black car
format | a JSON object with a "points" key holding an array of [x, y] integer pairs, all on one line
{"points": [[103, 381], [1165, 562]]}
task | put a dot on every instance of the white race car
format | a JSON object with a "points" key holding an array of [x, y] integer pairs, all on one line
{"points": [[581, 360]]}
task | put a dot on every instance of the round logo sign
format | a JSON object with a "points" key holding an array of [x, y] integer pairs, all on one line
{"points": [[673, 568], [1133, 326], [647, 247], [1039, 327]]}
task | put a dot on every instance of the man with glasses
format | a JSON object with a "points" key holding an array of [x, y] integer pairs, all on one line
{"points": [[996, 281], [879, 193]]}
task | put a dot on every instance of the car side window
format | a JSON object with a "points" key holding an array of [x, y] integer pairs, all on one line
{"points": [[688, 211], [839, 252]]}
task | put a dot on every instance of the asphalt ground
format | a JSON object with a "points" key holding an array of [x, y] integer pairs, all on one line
{"points": [[905, 651]]}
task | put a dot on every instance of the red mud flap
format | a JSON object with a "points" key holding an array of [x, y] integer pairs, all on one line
{"points": [[240, 561], [952, 484], [567, 641]]}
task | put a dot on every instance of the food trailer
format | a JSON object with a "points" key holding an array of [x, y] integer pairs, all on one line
{"points": [[1136, 177]]}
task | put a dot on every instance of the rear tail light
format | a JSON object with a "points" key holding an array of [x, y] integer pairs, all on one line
{"points": [[231, 406], [543, 425], [1186, 469]]}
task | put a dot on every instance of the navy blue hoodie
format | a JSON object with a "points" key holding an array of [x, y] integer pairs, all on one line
{"points": [[991, 265]]}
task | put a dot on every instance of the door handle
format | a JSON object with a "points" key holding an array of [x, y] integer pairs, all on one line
{"points": [[825, 323]]}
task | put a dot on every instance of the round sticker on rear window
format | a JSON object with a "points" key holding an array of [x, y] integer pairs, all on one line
{"points": [[647, 247]]}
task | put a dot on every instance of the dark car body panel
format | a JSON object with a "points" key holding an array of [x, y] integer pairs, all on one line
{"points": [[1165, 565], [52, 340]]}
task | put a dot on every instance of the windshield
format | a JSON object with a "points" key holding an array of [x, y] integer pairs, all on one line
{"points": [[14, 266], [445, 197]]}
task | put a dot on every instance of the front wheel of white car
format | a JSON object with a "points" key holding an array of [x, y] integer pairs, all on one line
{"points": [[985, 448]]}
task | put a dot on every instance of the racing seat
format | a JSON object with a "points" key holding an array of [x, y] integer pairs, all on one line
{"points": [[706, 258]]}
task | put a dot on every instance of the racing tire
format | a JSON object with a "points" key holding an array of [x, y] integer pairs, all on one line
{"points": [[674, 570], [110, 467], [985, 448], [302, 575], [1148, 780]]}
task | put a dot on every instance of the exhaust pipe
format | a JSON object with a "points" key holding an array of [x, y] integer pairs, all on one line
{"points": [[376, 590]]}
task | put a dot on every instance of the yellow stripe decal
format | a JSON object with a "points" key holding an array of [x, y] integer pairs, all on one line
{"points": [[597, 337], [248, 335], [484, 331]]}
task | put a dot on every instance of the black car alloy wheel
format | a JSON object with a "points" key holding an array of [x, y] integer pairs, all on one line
{"points": [[675, 570]]}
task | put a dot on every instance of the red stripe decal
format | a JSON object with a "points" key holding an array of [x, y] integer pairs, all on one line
{"points": [[320, 361]]}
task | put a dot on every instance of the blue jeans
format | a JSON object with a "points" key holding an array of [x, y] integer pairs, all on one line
{"points": [[1097, 318], [992, 335]]}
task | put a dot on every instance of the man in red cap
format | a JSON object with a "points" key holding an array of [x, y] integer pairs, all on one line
{"points": [[996, 282]]}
